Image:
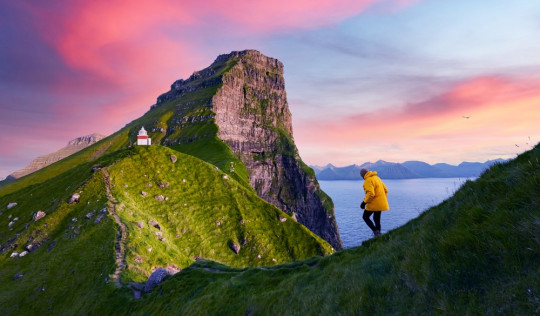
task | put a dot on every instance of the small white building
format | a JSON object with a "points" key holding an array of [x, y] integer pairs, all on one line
{"points": [[142, 138]]}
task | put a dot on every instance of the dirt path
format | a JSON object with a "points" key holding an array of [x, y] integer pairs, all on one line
{"points": [[121, 235]]}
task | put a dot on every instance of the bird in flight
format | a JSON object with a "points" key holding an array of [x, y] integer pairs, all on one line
{"points": [[466, 117]]}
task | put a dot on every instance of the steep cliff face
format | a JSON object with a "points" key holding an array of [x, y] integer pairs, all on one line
{"points": [[241, 99], [253, 117], [73, 146]]}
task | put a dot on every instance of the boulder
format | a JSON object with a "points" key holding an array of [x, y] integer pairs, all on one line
{"points": [[17, 276], [155, 278], [99, 218], [163, 184], [282, 219], [39, 215], [33, 246], [172, 269], [14, 254], [154, 223], [234, 247], [10, 205], [24, 253], [160, 197], [173, 158], [140, 224], [90, 215], [74, 198], [144, 193]]}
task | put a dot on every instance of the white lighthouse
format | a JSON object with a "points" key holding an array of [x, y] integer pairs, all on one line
{"points": [[142, 138]]}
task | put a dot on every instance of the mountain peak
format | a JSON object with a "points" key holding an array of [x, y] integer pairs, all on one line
{"points": [[86, 140], [72, 147]]}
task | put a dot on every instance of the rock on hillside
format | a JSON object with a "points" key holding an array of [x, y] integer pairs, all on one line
{"points": [[252, 114], [72, 147]]}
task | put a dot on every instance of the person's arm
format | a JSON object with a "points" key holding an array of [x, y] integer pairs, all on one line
{"points": [[369, 190]]}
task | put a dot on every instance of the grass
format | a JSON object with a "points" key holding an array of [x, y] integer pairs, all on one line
{"points": [[73, 261], [204, 213], [475, 253], [72, 269]]}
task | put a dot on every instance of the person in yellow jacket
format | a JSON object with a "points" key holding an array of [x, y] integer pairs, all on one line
{"points": [[375, 201]]}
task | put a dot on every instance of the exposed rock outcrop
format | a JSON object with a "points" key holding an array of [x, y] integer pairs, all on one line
{"points": [[39, 215], [252, 114], [155, 278], [74, 198]]}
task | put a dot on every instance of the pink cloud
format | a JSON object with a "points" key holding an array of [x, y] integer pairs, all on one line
{"points": [[144, 45], [108, 36], [499, 109], [96, 65]]}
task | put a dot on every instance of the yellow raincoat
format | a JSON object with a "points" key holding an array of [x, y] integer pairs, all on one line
{"points": [[376, 192]]}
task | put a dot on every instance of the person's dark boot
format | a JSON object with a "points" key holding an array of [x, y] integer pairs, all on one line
{"points": [[377, 233]]}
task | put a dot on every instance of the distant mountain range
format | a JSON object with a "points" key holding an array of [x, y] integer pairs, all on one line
{"points": [[405, 170]]}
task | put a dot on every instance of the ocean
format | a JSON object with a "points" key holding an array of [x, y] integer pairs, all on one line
{"points": [[408, 198]]}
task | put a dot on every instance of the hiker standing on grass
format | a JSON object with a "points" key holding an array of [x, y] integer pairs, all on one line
{"points": [[375, 201]]}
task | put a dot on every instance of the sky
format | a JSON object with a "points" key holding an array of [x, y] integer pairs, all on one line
{"points": [[397, 80]]}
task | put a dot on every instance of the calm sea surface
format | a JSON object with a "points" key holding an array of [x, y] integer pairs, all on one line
{"points": [[407, 198]]}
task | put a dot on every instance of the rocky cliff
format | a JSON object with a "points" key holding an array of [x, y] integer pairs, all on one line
{"points": [[243, 93], [72, 147]]}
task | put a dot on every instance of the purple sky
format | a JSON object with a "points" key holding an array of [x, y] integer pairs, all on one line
{"points": [[366, 80]]}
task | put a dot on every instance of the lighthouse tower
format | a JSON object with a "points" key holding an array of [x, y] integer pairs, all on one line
{"points": [[142, 138]]}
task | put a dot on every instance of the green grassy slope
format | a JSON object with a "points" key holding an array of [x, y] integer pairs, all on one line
{"points": [[204, 212], [475, 253], [73, 267], [74, 259]]}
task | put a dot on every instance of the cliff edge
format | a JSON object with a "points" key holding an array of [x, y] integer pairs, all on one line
{"points": [[250, 108]]}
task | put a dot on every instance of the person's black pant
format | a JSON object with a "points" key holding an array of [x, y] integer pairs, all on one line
{"points": [[376, 218]]}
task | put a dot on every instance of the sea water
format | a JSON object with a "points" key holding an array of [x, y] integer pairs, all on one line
{"points": [[408, 198]]}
